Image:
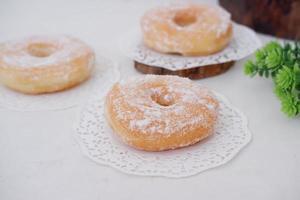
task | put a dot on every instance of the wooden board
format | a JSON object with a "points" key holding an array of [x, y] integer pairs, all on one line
{"points": [[275, 17], [194, 73]]}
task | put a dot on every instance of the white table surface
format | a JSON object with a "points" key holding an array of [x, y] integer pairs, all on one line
{"points": [[39, 158]]}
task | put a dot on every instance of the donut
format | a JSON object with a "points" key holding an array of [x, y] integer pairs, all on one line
{"points": [[187, 29], [44, 64], [161, 112]]}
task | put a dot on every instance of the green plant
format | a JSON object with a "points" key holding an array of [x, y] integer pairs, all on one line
{"points": [[282, 64]]}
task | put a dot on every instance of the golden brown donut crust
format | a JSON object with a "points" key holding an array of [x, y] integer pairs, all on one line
{"points": [[44, 64], [156, 113], [188, 29]]}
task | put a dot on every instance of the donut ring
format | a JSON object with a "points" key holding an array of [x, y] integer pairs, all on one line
{"points": [[156, 113], [188, 29], [43, 64]]}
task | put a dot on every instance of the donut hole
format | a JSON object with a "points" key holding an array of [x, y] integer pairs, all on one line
{"points": [[184, 18], [163, 99], [40, 49]]}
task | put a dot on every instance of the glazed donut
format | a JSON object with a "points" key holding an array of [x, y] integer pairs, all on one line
{"points": [[43, 64], [160, 112], [187, 29]]}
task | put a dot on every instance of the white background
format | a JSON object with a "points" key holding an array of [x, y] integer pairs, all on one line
{"points": [[39, 158]]}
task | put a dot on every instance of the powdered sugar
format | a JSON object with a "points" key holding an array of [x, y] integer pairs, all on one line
{"points": [[61, 49], [163, 104], [199, 18], [139, 124]]}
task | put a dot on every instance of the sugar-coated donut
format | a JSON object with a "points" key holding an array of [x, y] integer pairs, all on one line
{"points": [[156, 112], [187, 29], [43, 64]]}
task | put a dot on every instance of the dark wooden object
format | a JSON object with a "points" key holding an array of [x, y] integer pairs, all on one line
{"points": [[194, 73], [280, 18]]}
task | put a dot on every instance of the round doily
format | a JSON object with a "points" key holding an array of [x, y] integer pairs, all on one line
{"points": [[99, 143], [104, 75], [243, 44]]}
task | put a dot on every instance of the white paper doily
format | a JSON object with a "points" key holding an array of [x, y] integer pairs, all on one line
{"points": [[243, 43], [98, 142], [104, 75]]}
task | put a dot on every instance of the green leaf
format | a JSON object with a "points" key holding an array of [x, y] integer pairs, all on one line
{"points": [[250, 68], [274, 58], [267, 74], [273, 74], [280, 93], [260, 55], [297, 76], [282, 63], [287, 46], [272, 46], [289, 105], [289, 58], [285, 78]]}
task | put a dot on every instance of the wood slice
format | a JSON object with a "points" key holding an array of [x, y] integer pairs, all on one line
{"points": [[280, 18], [194, 73]]}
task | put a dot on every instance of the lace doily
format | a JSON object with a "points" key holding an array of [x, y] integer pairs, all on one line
{"points": [[243, 43], [103, 76], [99, 143]]}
